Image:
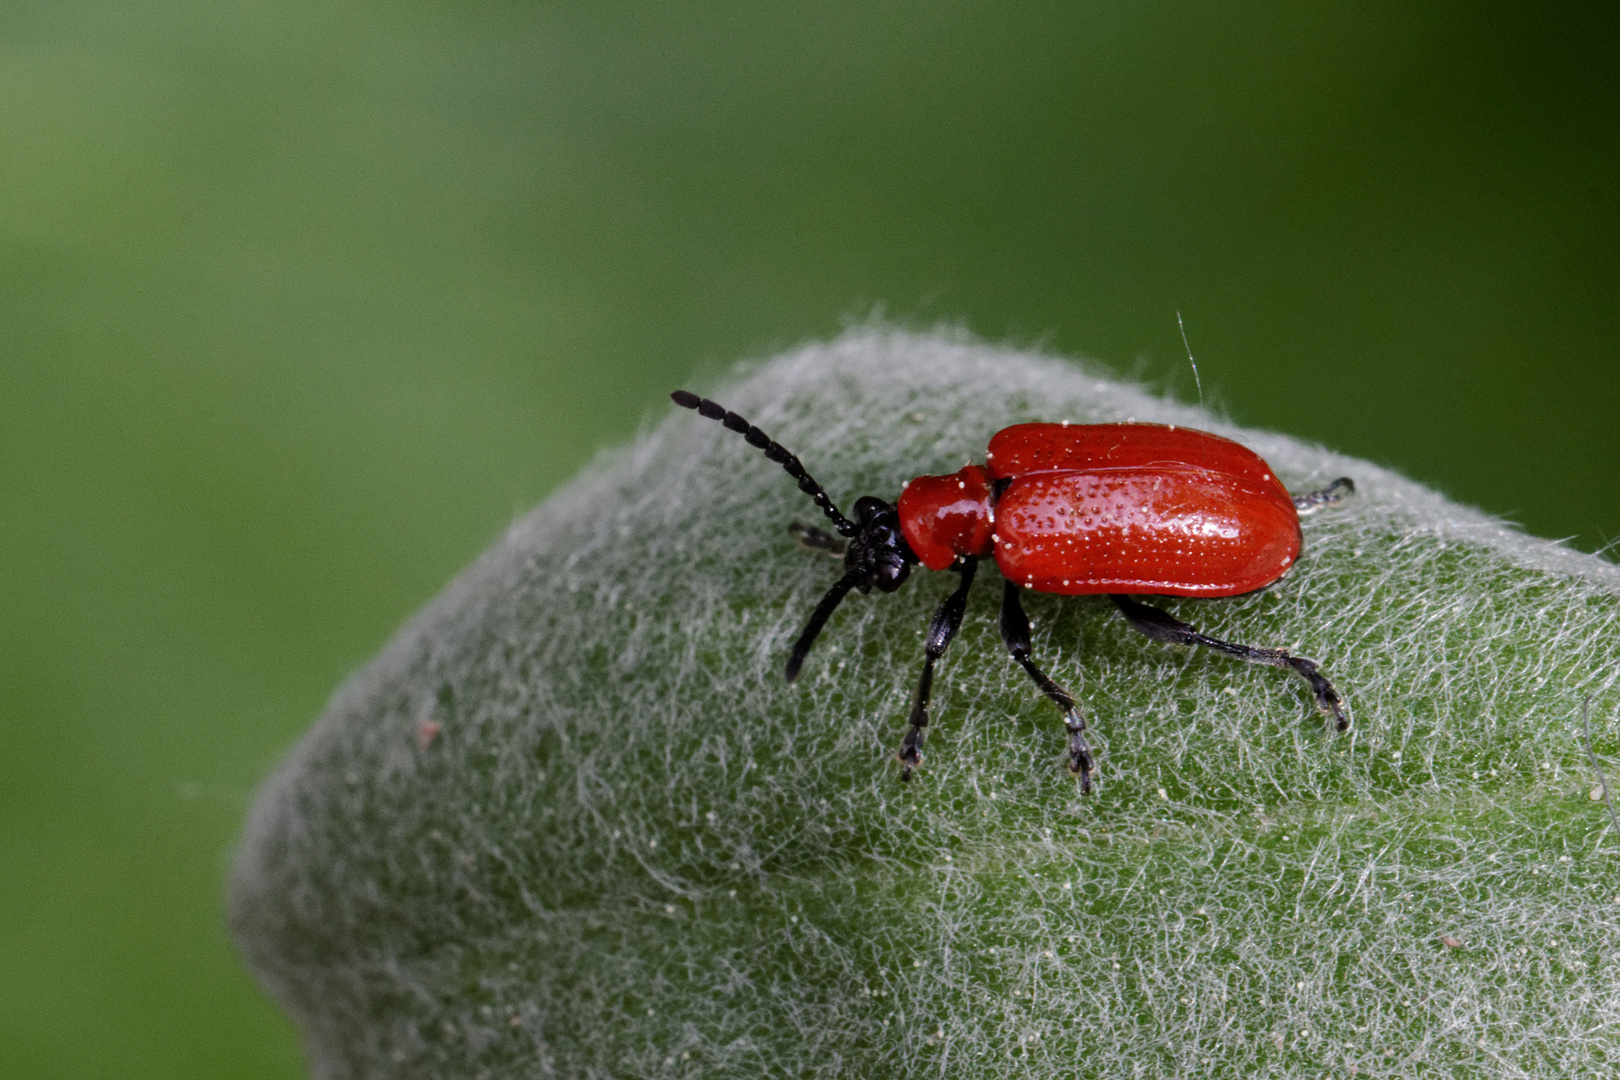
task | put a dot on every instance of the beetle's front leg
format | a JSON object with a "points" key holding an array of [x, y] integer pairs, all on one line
{"points": [[947, 621], [819, 539], [1015, 635]]}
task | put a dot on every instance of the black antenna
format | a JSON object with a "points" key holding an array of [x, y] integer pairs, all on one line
{"points": [[774, 451]]}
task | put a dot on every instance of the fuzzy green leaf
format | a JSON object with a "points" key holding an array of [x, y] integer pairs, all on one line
{"points": [[572, 822]]}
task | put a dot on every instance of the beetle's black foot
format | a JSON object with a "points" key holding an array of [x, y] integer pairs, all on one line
{"points": [[1329, 495], [1327, 698], [910, 754], [1081, 765], [1081, 771]]}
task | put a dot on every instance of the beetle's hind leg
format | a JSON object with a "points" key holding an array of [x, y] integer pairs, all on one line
{"points": [[1015, 635], [819, 539], [946, 622], [1160, 626]]}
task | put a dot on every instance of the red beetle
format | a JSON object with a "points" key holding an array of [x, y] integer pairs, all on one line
{"points": [[1074, 509]]}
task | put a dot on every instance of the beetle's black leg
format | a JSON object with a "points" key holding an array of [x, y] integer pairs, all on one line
{"points": [[1015, 635], [1326, 497], [818, 618], [1160, 626], [819, 539], [947, 621]]}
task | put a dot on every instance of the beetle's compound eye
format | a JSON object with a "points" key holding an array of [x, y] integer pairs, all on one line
{"points": [[890, 573]]}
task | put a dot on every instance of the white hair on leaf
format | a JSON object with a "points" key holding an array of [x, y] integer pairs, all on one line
{"points": [[631, 849]]}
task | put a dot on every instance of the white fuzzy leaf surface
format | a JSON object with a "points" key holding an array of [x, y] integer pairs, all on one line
{"points": [[631, 850]]}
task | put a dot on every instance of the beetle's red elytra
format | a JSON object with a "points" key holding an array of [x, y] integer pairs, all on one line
{"points": [[1074, 509], [1110, 508]]}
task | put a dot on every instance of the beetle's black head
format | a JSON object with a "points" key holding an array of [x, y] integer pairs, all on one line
{"points": [[877, 557], [877, 554]]}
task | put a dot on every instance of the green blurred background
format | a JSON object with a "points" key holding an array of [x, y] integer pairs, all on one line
{"points": [[301, 302]]}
